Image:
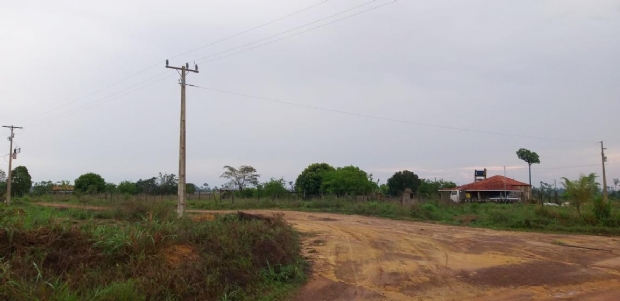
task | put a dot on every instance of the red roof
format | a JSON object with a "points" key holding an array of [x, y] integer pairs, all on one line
{"points": [[493, 183]]}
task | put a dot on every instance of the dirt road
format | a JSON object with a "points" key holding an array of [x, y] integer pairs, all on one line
{"points": [[364, 258]]}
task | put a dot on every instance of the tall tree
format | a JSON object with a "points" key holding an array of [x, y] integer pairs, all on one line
{"points": [[402, 180], [310, 180], [167, 184], [90, 182], [20, 181], [42, 188], [581, 191], [127, 187], [148, 186], [274, 188], [348, 180], [241, 177], [530, 157], [190, 188]]}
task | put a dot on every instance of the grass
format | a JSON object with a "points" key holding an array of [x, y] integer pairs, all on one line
{"points": [[141, 251], [524, 217]]}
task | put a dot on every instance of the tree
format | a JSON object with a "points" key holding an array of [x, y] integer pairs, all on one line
{"points": [[581, 191], [402, 180], [20, 181], [148, 186], [127, 187], [242, 177], [190, 188], [348, 180], [90, 182], [2, 176], [274, 188], [529, 157], [111, 188], [167, 184], [311, 179], [43, 187], [429, 188]]}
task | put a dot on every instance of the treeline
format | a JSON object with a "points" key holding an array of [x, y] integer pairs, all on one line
{"points": [[316, 180]]}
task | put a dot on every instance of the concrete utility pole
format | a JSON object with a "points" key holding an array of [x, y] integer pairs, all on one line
{"points": [[604, 159], [184, 70], [12, 155]]}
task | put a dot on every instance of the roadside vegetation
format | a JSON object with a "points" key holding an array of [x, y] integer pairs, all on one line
{"points": [[140, 251]]}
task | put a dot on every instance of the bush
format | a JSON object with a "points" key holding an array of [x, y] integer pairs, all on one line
{"points": [[244, 256]]}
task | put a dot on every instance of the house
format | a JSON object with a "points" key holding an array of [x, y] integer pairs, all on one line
{"points": [[495, 188]]}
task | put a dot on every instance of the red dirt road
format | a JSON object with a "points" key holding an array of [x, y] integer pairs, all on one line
{"points": [[365, 258]]}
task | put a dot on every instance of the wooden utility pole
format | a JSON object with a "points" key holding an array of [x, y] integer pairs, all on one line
{"points": [[184, 70], [12, 155], [604, 160]]}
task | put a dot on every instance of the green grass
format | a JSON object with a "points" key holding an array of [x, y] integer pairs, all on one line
{"points": [[524, 217], [140, 251]]}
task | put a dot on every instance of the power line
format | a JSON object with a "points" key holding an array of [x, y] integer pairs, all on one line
{"points": [[244, 50], [296, 28], [385, 118], [102, 101], [250, 30], [181, 54]]}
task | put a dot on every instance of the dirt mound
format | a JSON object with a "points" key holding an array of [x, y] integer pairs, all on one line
{"points": [[178, 255]]}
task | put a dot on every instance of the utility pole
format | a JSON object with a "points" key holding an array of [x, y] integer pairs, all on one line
{"points": [[184, 70], [604, 159], [12, 155]]}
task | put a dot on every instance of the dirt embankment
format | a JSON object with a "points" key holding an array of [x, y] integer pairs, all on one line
{"points": [[364, 258]]}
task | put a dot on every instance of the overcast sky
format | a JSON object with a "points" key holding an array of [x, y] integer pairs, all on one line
{"points": [[87, 81]]}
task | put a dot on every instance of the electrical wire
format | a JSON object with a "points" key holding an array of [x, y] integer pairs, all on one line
{"points": [[247, 44], [250, 30], [385, 118], [298, 27], [102, 101], [175, 56]]}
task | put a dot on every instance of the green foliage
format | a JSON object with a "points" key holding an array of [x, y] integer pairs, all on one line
{"points": [[430, 188], [148, 186], [274, 188], [190, 188], [241, 177], [167, 184], [42, 188], [384, 189], [348, 180], [127, 187], [310, 180], [402, 180], [20, 181], [489, 215], [234, 257], [528, 156], [111, 188], [2, 176], [580, 191], [90, 182]]}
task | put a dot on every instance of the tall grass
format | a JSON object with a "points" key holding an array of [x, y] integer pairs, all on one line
{"points": [[596, 218], [147, 254]]}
